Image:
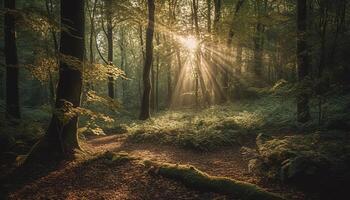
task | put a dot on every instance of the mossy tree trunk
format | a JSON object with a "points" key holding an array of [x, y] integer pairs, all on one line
{"points": [[145, 104], [194, 178]]}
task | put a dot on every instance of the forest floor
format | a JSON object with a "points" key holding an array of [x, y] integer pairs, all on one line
{"points": [[210, 140], [97, 179]]}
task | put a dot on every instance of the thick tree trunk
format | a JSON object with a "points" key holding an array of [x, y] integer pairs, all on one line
{"points": [[61, 139], [145, 105], [11, 60], [303, 113]]}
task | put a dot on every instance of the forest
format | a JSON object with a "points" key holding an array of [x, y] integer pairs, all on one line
{"points": [[175, 99]]}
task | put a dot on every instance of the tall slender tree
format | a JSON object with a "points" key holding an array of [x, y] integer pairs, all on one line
{"points": [[109, 34], [145, 104], [11, 60], [303, 60]]}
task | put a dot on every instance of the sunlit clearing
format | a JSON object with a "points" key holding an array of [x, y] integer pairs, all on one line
{"points": [[189, 42]]}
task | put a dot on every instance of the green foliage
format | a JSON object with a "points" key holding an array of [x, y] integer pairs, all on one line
{"points": [[204, 130], [234, 123], [305, 159]]}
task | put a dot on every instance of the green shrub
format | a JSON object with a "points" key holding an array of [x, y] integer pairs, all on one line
{"points": [[305, 159]]}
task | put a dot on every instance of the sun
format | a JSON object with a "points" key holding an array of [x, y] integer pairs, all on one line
{"points": [[189, 43]]}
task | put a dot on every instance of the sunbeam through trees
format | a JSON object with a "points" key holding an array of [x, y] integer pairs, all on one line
{"points": [[174, 99]]}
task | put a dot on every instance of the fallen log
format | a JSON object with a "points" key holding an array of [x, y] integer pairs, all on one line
{"points": [[196, 179]]}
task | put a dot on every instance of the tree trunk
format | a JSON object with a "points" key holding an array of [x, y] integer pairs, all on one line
{"points": [[142, 63], [11, 60], [303, 60], [123, 62], [145, 105], [61, 139], [111, 93], [257, 68]]}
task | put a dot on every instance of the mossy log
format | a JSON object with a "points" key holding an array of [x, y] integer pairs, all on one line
{"points": [[194, 178]]}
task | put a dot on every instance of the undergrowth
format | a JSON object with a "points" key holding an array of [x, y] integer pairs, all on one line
{"points": [[274, 112]]}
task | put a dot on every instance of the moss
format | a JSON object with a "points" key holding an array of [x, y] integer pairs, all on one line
{"points": [[194, 178]]}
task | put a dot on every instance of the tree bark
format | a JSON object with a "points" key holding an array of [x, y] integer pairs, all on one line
{"points": [[303, 113], [145, 105], [11, 61]]}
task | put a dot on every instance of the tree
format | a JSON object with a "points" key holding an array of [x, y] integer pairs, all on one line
{"points": [[260, 7], [145, 104], [11, 60], [61, 139], [109, 34], [302, 60]]}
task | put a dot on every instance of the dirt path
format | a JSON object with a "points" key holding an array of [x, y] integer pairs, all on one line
{"points": [[225, 162], [96, 179]]}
